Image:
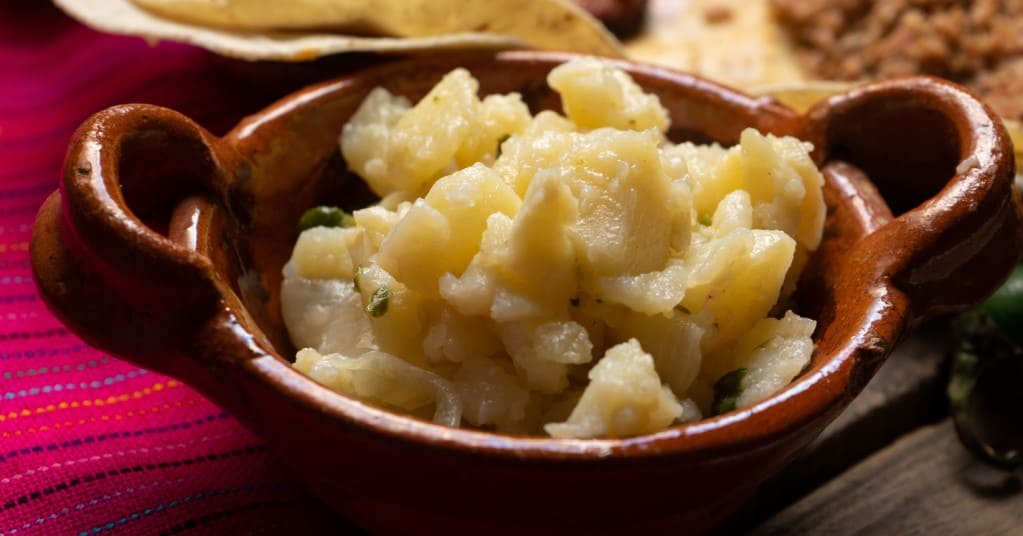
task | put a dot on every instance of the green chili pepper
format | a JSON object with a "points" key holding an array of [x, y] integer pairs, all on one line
{"points": [[727, 390], [325, 217], [379, 301], [357, 279], [984, 391], [502, 139]]}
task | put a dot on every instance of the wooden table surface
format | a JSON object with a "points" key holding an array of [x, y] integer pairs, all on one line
{"points": [[890, 464]]}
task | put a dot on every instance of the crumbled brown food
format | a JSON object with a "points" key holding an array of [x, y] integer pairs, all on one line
{"points": [[718, 14], [977, 43], [623, 17]]}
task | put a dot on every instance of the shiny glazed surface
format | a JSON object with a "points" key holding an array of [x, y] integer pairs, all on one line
{"points": [[165, 244]]}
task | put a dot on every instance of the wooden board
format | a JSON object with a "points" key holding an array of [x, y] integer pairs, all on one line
{"points": [[924, 483]]}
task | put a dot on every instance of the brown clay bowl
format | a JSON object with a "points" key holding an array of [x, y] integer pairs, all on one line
{"points": [[164, 246]]}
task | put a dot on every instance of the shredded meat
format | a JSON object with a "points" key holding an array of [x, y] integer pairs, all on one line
{"points": [[976, 43]]}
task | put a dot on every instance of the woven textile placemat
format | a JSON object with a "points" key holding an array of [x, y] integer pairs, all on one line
{"points": [[90, 444]]}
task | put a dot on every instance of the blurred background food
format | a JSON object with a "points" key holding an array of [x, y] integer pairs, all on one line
{"points": [[752, 43], [305, 30], [800, 51], [731, 41], [749, 44], [978, 43]]}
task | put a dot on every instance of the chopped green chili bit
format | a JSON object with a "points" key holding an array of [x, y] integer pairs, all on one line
{"points": [[727, 390], [378, 302], [355, 280], [705, 219], [502, 139], [325, 217]]}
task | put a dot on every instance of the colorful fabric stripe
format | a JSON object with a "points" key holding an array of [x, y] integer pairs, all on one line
{"points": [[90, 444]]}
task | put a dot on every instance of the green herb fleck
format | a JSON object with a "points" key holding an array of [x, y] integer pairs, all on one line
{"points": [[502, 139], [632, 123], [705, 219], [727, 390], [325, 217], [682, 309], [378, 302], [357, 278]]}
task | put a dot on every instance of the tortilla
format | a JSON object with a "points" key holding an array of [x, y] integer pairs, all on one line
{"points": [[731, 41], [553, 24]]}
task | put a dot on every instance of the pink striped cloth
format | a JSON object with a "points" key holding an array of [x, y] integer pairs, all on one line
{"points": [[90, 444]]}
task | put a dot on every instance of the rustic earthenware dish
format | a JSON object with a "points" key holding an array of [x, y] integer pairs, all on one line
{"points": [[164, 246]]}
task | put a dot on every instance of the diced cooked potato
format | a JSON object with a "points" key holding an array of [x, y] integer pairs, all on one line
{"points": [[542, 351], [629, 214], [773, 353], [674, 343], [473, 292], [784, 186], [509, 252], [500, 117], [469, 197], [424, 141], [365, 138], [491, 395], [325, 314], [377, 223], [412, 251], [523, 155], [383, 378], [536, 267], [626, 221], [396, 314], [407, 149], [459, 338], [322, 253], [737, 278], [595, 94], [711, 172], [625, 397], [734, 212], [652, 293]]}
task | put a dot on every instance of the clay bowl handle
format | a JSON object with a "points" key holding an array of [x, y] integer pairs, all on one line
{"points": [[944, 163], [102, 259]]}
